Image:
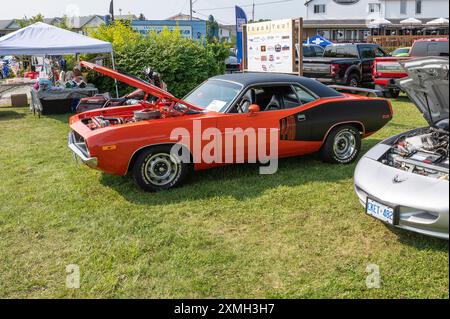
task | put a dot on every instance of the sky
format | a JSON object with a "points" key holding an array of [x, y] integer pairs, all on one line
{"points": [[153, 9]]}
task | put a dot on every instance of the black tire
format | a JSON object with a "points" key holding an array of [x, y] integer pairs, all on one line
{"points": [[353, 80], [159, 158], [342, 145], [392, 94]]}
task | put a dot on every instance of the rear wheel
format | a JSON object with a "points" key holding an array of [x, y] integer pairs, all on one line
{"points": [[342, 146], [353, 80], [392, 94], [158, 169]]}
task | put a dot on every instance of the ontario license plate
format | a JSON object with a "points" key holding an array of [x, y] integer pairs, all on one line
{"points": [[380, 211]]}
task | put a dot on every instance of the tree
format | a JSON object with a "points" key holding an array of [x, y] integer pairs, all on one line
{"points": [[183, 63], [28, 21], [142, 17], [212, 28], [63, 24]]}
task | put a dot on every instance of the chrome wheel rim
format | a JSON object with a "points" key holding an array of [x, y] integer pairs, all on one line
{"points": [[353, 83], [161, 169], [344, 145]]}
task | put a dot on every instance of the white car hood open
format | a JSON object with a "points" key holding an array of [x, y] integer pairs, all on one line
{"points": [[428, 87]]}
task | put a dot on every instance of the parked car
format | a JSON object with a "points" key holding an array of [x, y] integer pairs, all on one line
{"points": [[232, 63], [346, 64], [404, 180], [386, 71], [401, 52], [306, 115]]}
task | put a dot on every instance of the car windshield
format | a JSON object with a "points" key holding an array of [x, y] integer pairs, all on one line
{"points": [[214, 95], [401, 51]]}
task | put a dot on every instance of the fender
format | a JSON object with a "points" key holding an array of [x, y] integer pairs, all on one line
{"points": [[355, 68]]}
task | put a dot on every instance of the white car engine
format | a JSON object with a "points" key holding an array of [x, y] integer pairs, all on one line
{"points": [[424, 152]]}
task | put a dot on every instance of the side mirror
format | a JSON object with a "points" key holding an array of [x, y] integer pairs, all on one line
{"points": [[254, 108]]}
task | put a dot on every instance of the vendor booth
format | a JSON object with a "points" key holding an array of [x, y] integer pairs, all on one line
{"points": [[45, 40]]}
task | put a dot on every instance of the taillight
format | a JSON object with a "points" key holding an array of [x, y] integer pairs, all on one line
{"points": [[335, 69], [374, 69]]}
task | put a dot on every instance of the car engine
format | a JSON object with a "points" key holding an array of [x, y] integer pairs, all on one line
{"points": [[424, 152]]}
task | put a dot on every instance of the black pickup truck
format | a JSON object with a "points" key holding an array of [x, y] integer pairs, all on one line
{"points": [[344, 64]]}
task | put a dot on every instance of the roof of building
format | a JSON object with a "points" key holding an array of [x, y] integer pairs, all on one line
{"points": [[182, 16], [248, 79]]}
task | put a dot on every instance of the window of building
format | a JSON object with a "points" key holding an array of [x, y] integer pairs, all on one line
{"points": [[403, 6], [374, 7], [320, 8], [418, 6]]}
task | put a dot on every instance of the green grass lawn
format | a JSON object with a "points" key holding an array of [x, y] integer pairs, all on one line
{"points": [[230, 232]]}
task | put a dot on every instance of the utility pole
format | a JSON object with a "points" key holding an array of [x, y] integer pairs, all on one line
{"points": [[190, 7], [253, 12]]}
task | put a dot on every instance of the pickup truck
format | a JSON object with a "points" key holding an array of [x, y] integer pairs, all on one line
{"points": [[344, 64], [387, 71]]}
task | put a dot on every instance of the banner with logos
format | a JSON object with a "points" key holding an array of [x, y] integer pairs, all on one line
{"points": [[241, 20], [270, 46]]}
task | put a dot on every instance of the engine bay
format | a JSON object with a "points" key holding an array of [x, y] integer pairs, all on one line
{"points": [[424, 152], [144, 112]]}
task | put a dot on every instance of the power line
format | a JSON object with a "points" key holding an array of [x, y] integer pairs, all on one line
{"points": [[246, 5]]}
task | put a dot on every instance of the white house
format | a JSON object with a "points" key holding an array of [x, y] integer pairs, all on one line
{"points": [[351, 19]]}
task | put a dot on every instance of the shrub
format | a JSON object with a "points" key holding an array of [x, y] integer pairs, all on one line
{"points": [[182, 63]]}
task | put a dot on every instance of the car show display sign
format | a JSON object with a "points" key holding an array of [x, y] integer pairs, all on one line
{"points": [[270, 46]]}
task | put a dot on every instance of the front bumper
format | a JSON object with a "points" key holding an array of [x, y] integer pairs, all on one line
{"points": [[422, 202], [80, 151]]}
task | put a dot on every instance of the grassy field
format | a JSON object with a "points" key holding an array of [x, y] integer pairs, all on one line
{"points": [[230, 232]]}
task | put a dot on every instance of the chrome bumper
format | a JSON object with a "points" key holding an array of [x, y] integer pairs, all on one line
{"points": [[80, 151]]}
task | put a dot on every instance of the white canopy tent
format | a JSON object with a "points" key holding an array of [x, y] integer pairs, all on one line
{"points": [[411, 22], [380, 22], [438, 22], [42, 39]]}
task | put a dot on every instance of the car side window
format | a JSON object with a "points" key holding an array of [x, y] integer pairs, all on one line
{"points": [[319, 51], [304, 96], [268, 98], [367, 52]]}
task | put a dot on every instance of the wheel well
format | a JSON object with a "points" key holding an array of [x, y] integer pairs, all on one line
{"points": [[145, 148], [359, 126], [353, 71]]}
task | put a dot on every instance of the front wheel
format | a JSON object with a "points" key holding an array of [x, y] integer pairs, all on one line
{"points": [[158, 169], [342, 145]]}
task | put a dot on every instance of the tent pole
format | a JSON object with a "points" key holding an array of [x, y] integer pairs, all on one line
{"points": [[114, 67]]}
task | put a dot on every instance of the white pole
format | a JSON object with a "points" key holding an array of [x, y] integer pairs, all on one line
{"points": [[114, 67]]}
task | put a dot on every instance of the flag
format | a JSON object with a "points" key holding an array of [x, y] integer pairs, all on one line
{"points": [[241, 19], [111, 9]]}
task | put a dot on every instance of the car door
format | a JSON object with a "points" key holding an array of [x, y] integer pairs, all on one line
{"points": [[279, 105]]}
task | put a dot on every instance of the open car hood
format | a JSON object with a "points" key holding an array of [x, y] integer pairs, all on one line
{"points": [[428, 87], [138, 83]]}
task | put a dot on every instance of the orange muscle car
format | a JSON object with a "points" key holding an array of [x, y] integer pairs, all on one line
{"points": [[251, 117]]}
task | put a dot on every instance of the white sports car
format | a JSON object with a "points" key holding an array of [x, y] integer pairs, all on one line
{"points": [[404, 180]]}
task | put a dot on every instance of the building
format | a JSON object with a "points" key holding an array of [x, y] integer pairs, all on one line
{"points": [[77, 24], [226, 32], [335, 19]]}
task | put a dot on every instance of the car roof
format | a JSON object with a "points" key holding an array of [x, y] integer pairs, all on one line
{"points": [[432, 40], [253, 78]]}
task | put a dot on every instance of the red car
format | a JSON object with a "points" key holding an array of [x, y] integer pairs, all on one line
{"points": [[228, 119]]}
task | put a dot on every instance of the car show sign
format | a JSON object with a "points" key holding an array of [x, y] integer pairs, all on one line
{"points": [[270, 46]]}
